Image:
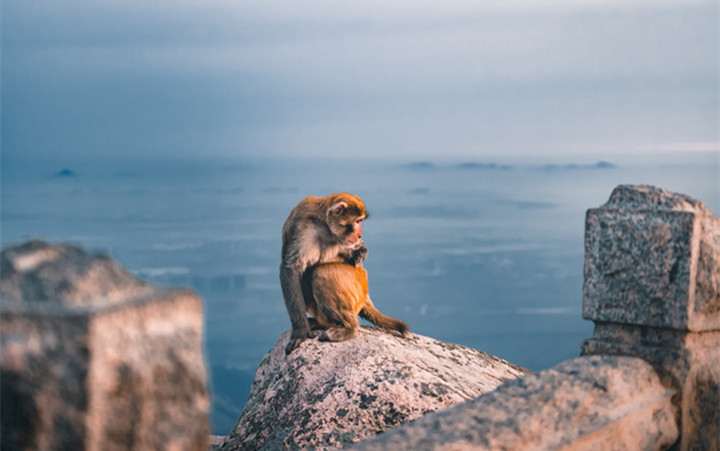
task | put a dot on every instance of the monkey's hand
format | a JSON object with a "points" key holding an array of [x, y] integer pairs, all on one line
{"points": [[292, 344], [358, 254]]}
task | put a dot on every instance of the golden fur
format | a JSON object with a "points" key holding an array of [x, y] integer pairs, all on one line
{"points": [[339, 294]]}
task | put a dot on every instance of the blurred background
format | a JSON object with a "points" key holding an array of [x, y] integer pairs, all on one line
{"points": [[177, 135]]}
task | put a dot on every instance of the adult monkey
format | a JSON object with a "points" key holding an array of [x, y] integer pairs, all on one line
{"points": [[318, 230]]}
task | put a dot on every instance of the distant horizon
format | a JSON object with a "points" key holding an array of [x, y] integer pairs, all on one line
{"points": [[24, 169], [709, 151]]}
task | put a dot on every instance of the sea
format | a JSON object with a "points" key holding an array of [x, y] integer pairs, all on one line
{"points": [[487, 253]]}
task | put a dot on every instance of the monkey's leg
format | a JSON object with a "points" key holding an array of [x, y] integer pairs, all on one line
{"points": [[347, 328], [370, 313], [315, 324], [295, 304]]}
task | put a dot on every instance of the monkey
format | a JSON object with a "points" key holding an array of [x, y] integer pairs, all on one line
{"points": [[339, 294], [317, 230]]}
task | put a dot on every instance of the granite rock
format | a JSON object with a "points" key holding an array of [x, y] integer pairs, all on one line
{"points": [[652, 287], [330, 395], [92, 358], [687, 361], [652, 257], [652, 198], [589, 403]]}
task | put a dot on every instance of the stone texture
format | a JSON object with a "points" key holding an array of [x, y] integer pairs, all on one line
{"points": [[652, 286], [652, 258], [95, 359], [327, 395], [590, 403], [688, 361]]}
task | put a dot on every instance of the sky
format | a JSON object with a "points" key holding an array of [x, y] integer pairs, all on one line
{"points": [[321, 78]]}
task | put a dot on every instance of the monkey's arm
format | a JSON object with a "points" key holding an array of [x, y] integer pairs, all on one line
{"points": [[290, 281]]}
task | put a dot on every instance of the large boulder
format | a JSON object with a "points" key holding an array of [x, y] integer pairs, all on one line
{"points": [[329, 395], [94, 359]]}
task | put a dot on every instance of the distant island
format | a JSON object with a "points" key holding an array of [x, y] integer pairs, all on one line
{"points": [[65, 173], [488, 166], [598, 165], [421, 165]]}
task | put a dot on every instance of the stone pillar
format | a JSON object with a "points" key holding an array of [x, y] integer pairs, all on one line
{"points": [[93, 359], [652, 287]]}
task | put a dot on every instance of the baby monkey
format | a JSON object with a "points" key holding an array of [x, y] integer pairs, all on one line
{"points": [[339, 294]]}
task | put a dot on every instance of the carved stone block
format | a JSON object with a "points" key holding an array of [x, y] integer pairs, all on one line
{"points": [[93, 359], [652, 258]]}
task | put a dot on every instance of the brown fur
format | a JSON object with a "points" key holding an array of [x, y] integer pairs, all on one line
{"points": [[318, 230], [339, 294]]}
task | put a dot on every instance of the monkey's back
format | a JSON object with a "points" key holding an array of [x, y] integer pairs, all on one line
{"points": [[340, 286]]}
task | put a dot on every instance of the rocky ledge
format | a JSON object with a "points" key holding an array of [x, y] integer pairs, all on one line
{"points": [[330, 395]]}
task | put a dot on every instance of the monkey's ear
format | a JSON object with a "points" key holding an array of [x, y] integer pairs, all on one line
{"points": [[338, 208]]}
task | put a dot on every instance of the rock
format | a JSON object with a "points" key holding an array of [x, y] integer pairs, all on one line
{"points": [[652, 258], [95, 359], [588, 403], [327, 395], [35, 273], [651, 198], [652, 287], [65, 173]]}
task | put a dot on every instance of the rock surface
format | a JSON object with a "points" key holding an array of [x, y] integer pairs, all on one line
{"points": [[92, 358], [589, 403], [330, 395]]}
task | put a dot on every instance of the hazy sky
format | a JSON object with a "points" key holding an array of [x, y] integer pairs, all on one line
{"points": [[406, 78]]}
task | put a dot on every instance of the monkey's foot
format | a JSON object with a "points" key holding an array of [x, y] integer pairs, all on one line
{"points": [[338, 334]]}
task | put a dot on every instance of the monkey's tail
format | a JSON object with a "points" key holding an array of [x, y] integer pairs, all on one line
{"points": [[370, 313]]}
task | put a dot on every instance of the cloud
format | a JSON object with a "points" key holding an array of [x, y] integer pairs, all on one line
{"points": [[273, 77], [709, 146]]}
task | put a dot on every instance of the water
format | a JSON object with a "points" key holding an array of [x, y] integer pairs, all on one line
{"points": [[486, 255]]}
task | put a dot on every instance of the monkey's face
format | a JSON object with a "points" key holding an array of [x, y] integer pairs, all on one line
{"points": [[349, 230], [345, 221], [354, 233]]}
